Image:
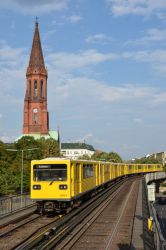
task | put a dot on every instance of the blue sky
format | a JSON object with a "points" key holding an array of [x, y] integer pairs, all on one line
{"points": [[106, 63]]}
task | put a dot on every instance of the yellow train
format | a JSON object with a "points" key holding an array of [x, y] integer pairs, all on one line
{"points": [[60, 184]]}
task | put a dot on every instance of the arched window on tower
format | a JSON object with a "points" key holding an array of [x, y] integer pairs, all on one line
{"points": [[29, 89], [42, 89], [35, 116], [35, 90]]}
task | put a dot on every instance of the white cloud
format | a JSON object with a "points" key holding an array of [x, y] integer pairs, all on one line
{"points": [[129, 148], [99, 38], [73, 89], [13, 25], [85, 138], [34, 7], [112, 93], [7, 139], [157, 59], [137, 7], [74, 18], [48, 34], [138, 120], [159, 98], [67, 62], [153, 36], [11, 57], [157, 56], [82, 59], [12, 73]]}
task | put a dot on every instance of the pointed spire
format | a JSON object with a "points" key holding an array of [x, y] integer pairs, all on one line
{"points": [[36, 58]]}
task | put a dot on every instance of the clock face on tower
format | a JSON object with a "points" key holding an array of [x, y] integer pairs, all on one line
{"points": [[35, 110]]}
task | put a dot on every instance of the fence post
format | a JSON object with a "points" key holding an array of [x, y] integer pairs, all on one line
{"points": [[11, 202]]}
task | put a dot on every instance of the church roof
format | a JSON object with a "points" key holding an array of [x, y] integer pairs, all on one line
{"points": [[36, 57], [51, 134]]}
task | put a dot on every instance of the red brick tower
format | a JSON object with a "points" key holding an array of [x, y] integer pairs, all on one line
{"points": [[36, 119]]}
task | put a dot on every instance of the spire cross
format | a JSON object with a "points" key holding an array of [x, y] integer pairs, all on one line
{"points": [[36, 20]]}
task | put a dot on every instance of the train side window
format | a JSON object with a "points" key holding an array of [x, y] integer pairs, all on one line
{"points": [[88, 171], [139, 166], [106, 169], [130, 167]]}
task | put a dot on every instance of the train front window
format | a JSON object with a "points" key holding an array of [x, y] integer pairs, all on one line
{"points": [[50, 172]]}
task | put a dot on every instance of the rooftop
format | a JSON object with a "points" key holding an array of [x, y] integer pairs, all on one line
{"points": [[77, 146]]}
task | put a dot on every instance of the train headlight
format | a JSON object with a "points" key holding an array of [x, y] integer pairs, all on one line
{"points": [[63, 187], [36, 187]]}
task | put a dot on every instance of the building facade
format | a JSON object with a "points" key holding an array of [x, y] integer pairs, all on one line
{"points": [[161, 157], [36, 116], [76, 150]]}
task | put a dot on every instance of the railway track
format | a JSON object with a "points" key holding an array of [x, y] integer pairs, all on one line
{"points": [[52, 238], [22, 229], [16, 224]]}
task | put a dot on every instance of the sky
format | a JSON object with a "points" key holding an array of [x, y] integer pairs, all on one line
{"points": [[106, 62]]}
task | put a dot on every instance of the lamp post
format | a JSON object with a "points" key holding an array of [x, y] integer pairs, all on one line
{"points": [[22, 166]]}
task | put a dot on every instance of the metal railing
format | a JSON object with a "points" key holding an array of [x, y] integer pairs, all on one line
{"points": [[12, 204], [159, 241]]}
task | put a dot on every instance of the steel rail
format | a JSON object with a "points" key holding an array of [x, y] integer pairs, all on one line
{"points": [[36, 234], [109, 242], [23, 221], [11, 215]]}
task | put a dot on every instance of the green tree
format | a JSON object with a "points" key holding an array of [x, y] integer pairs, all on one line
{"points": [[49, 148], [103, 156], [11, 162], [147, 160], [84, 157]]}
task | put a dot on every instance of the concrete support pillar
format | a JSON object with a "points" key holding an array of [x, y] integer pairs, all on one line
{"points": [[157, 187]]}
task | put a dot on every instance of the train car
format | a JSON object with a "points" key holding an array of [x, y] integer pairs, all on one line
{"points": [[58, 185]]}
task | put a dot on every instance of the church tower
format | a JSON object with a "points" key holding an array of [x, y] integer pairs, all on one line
{"points": [[36, 117]]}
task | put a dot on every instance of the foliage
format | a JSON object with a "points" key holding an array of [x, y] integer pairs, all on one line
{"points": [[147, 160], [27, 148], [49, 148], [103, 156], [84, 157]]}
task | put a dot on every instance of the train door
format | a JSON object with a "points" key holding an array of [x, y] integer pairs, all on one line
{"points": [[116, 170], [72, 181], [101, 172], [122, 169], [77, 178], [97, 166], [112, 171]]}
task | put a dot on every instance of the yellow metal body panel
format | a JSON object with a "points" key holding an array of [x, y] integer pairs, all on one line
{"points": [[101, 173], [88, 184], [106, 172]]}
